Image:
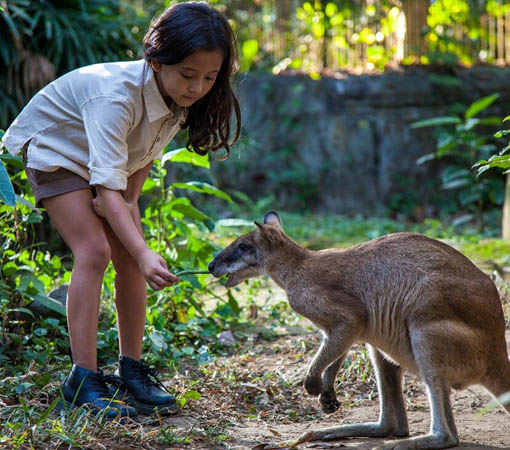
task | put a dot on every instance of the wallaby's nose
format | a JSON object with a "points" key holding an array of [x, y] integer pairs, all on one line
{"points": [[210, 267]]}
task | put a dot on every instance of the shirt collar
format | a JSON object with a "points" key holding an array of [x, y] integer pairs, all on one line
{"points": [[154, 103]]}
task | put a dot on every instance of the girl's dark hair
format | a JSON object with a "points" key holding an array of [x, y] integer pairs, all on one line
{"points": [[181, 30]]}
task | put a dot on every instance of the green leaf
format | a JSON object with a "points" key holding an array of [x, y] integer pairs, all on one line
{"points": [[149, 185], [22, 310], [500, 161], [480, 105], [29, 204], [436, 121], [249, 49], [234, 223], [6, 190], [455, 173], [158, 340], [501, 133], [188, 210], [14, 161], [51, 303], [454, 184], [183, 155], [490, 121], [471, 123], [9, 268], [203, 188], [192, 395]]}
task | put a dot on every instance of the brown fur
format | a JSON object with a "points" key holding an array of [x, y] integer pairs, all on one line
{"points": [[416, 302]]}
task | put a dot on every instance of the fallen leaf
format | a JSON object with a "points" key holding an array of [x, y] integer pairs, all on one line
{"points": [[275, 432]]}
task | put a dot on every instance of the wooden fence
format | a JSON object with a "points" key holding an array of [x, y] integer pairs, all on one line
{"points": [[390, 33]]}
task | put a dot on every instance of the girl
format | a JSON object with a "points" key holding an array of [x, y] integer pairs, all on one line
{"points": [[88, 141]]}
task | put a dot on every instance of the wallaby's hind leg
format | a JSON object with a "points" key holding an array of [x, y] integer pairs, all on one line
{"points": [[327, 398], [443, 433], [392, 419]]}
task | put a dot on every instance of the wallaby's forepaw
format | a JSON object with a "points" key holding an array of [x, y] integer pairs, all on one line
{"points": [[313, 385], [328, 402]]}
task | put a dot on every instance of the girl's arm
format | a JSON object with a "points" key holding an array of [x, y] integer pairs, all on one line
{"points": [[115, 209], [134, 186], [132, 193]]}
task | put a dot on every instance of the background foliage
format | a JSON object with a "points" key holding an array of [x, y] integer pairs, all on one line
{"points": [[40, 40]]}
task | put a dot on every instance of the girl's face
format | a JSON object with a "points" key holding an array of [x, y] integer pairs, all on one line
{"points": [[189, 80]]}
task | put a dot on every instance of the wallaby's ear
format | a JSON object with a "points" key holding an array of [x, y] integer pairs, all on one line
{"points": [[273, 218], [269, 233]]}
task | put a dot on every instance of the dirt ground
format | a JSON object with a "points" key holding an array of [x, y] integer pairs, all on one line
{"points": [[257, 398]]}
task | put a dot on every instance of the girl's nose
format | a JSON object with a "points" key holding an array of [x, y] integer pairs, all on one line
{"points": [[195, 87]]}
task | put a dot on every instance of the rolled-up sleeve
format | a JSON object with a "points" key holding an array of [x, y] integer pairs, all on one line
{"points": [[107, 121]]}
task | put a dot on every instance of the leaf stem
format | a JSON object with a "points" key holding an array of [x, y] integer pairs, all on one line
{"points": [[190, 272]]}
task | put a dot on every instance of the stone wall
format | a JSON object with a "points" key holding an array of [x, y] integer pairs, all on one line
{"points": [[345, 144]]}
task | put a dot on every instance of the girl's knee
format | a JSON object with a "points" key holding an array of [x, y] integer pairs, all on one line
{"points": [[95, 254]]}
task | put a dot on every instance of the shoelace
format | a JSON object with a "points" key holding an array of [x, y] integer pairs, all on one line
{"points": [[149, 375], [144, 373], [99, 381]]}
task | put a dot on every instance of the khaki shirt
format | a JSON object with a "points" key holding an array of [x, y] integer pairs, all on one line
{"points": [[103, 122]]}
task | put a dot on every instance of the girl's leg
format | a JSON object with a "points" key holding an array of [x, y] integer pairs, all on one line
{"points": [[83, 231], [130, 298], [135, 378]]}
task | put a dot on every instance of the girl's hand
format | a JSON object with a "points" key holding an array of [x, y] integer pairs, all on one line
{"points": [[97, 207], [155, 271]]}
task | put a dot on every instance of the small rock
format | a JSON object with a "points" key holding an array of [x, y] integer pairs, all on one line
{"points": [[226, 338]]}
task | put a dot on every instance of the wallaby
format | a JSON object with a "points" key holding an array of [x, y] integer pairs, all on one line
{"points": [[416, 302]]}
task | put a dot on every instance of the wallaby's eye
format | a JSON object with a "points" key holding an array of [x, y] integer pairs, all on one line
{"points": [[243, 247]]}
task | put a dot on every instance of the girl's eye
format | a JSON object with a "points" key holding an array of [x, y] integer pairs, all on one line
{"points": [[188, 77]]}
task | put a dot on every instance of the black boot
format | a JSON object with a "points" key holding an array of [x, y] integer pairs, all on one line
{"points": [[87, 388], [137, 384]]}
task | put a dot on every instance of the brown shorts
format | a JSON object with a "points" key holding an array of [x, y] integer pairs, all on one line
{"points": [[48, 184]]}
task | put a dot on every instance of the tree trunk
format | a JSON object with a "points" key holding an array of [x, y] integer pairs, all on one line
{"points": [[505, 226], [415, 12], [285, 9]]}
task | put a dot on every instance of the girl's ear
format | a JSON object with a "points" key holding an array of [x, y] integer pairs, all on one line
{"points": [[156, 66]]}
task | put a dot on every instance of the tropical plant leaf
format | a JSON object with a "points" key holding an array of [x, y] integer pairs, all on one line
{"points": [[14, 161], [188, 210], [436, 121], [6, 190], [501, 133], [183, 155], [204, 188], [480, 105], [51, 303]]}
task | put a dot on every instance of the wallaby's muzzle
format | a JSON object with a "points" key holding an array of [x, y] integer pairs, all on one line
{"points": [[240, 260], [217, 267]]}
